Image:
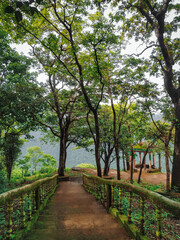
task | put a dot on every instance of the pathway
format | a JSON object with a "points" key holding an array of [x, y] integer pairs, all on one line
{"points": [[73, 214]]}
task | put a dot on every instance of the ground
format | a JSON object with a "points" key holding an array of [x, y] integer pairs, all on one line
{"points": [[153, 178]]}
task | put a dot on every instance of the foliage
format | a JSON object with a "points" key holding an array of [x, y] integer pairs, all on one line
{"points": [[81, 49], [19, 93], [36, 158], [24, 164], [86, 165], [3, 179], [11, 150]]}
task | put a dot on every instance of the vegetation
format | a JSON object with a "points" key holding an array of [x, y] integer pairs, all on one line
{"points": [[86, 165], [34, 165], [137, 207], [94, 91]]}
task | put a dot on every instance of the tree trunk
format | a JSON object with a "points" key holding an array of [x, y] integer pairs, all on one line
{"points": [[62, 154], [97, 145], [124, 166], [61, 164], [167, 168], [131, 161], [143, 162], [139, 157], [106, 166], [127, 161], [150, 161], [159, 161], [176, 158], [154, 160], [9, 170], [117, 159]]}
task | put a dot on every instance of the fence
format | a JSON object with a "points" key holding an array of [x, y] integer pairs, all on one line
{"points": [[19, 208], [146, 214]]}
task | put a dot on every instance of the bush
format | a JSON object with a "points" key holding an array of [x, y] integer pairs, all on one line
{"points": [[3, 182], [16, 175], [67, 169], [47, 170], [86, 165], [27, 174]]}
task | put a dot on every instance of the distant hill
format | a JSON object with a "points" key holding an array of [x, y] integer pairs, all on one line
{"points": [[74, 156]]}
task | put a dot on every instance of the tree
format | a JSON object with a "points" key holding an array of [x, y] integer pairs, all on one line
{"points": [[48, 162], [80, 47], [136, 121], [19, 94], [24, 164], [127, 84], [165, 133], [38, 159], [59, 116], [11, 148], [107, 141], [34, 154], [145, 19]]}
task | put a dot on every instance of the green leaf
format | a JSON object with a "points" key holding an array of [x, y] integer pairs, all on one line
{"points": [[9, 9], [33, 10], [39, 1], [18, 16], [26, 3], [19, 4]]}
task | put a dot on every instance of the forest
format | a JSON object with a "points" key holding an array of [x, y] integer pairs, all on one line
{"points": [[94, 92]]}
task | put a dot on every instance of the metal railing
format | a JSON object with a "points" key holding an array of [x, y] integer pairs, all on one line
{"points": [[152, 214], [19, 208]]}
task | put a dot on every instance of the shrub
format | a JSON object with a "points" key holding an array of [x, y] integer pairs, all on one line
{"points": [[86, 165], [3, 181]]}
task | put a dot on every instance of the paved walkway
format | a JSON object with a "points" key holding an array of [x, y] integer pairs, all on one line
{"points": [[73, 214]]}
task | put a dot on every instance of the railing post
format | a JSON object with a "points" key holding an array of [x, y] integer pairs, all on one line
{"points": [[108, 196], [37, 197], [130, 207], [22, 212], [29, 213], [142, 203], [41, 193], [104, 194], [112, 199], [9, 219], [120, 200], [158, 218], [33, 201]]}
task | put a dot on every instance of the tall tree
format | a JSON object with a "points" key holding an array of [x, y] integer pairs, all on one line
{"points": [[80, 47], [19, 95], [164, 130], [127, 84], [11, 149], [142, 19]]}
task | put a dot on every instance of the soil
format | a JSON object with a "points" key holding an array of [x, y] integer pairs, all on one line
{"points": [[153, 178]]}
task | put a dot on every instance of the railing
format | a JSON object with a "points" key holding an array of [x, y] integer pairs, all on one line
{"points": [[19, 208], [148, 215]]}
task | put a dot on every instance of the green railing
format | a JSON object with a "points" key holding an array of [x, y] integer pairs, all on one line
{"points": [[19, 208], [145, 214]]}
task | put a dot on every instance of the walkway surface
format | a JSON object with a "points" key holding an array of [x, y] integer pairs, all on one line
{"points": [[74, 214]]}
